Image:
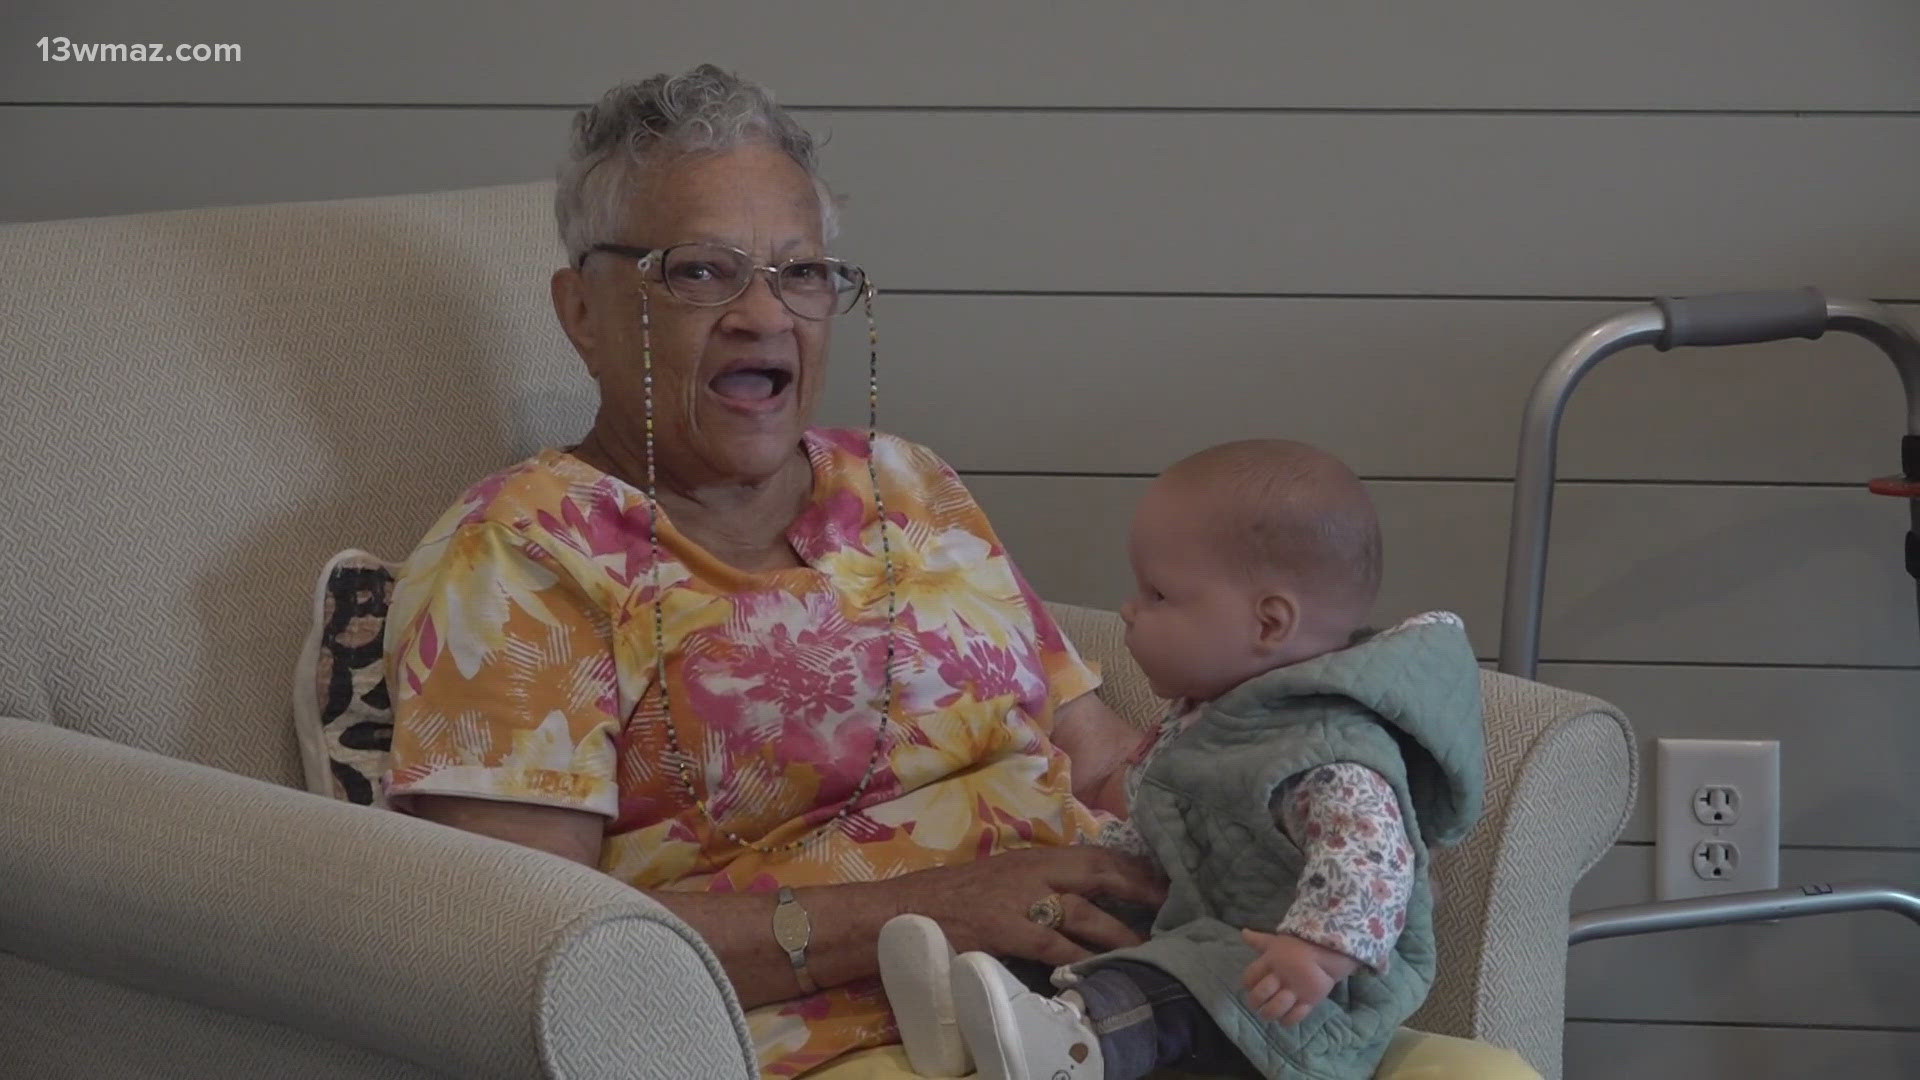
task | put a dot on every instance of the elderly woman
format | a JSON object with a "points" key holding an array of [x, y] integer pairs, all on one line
{"points": [[785, 679]]}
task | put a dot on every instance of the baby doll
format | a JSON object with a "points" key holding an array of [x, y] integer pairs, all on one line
{"points": [[1290, 796]]}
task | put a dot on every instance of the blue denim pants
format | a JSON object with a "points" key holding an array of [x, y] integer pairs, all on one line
{"points": [[1145, 1020]]}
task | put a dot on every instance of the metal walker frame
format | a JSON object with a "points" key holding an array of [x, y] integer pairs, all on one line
{"points": [[1723, 319]]}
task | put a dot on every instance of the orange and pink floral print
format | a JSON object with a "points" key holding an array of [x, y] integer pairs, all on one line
{"points": [[521, 647]]}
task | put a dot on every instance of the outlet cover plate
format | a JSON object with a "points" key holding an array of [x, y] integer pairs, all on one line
{"points": [[1684, 769]]}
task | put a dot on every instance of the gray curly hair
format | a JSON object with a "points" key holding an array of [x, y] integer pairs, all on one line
{"points": [[638, 126]]}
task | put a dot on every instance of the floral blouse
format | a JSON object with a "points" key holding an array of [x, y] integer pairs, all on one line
{"points": [[1358, 876], [521, 642]]}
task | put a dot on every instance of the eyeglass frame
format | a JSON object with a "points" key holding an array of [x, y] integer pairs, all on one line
{"points": [[642, 255]]}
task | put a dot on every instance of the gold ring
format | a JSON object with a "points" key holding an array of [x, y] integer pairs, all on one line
{"points": [[1048, 911]]}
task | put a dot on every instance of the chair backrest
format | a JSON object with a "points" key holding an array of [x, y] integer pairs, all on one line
{"points": [[200, 407]]}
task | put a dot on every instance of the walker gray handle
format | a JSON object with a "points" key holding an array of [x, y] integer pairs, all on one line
{"points": [[1731, 319], [1742, 318]]}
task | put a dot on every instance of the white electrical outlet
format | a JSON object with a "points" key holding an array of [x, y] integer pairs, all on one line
{"points": [[1717, 817]]}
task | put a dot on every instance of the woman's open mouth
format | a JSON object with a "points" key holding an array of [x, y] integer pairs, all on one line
{"points": [[752, 389]]}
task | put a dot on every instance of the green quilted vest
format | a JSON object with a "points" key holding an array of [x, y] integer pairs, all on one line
{"points": [[1405, 704]]}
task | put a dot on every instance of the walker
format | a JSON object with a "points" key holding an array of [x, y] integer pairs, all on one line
{"points": [[1723, 319]]}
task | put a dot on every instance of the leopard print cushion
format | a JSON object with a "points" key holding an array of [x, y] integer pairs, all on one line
{"points": [[349, 724]]}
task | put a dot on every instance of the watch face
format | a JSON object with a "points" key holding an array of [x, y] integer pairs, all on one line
{"points": [[791, 927]]}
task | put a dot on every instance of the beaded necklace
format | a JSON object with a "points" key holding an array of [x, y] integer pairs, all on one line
{"points": [[682, 761]]}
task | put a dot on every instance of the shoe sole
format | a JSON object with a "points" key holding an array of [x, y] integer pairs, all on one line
{"points": [[916, 971]]}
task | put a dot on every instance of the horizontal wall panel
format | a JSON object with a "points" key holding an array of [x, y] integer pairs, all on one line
{"points": [[1506, 205], [1431, 388], [1155, 202], [1733, 575], [1851, 969], [1418, 388], [1485, 54], [84, 162], [1848, 739], [1609, 1051], [1637, 573]]}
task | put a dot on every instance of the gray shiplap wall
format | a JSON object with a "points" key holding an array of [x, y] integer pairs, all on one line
{"points": [[1368, 225]]}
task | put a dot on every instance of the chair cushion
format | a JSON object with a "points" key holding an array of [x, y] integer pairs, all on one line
{"points": [[341, 710]]}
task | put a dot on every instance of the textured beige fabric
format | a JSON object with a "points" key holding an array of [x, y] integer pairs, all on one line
{"points": [[1568, 803], [1561, 780], [197, 408], [1561, 775], [625, 996], [378, 931], [54, 1023]]}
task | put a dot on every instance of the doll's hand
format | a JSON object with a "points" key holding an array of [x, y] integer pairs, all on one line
{"points": [[1291, 976]]}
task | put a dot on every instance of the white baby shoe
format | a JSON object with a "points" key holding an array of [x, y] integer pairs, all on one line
{"points": [[916, 965], [1016, 1034]]}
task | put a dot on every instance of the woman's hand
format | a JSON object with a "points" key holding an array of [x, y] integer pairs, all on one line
{"points": [[983, 904]]}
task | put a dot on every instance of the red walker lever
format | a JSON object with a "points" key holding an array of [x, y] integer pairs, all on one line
{"points": [[1897, 487]]}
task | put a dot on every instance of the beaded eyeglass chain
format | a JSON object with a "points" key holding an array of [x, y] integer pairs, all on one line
{"points": [[681, 759]]}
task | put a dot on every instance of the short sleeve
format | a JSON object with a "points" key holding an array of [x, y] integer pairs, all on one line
{"points": [[1068, 674], [946, 503], [503, 677]]}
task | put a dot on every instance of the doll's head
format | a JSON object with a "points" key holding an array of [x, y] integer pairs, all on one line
{"points": [[1246, 557]]}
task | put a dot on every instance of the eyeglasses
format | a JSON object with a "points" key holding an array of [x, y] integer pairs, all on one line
{"points": [[709, 275]]}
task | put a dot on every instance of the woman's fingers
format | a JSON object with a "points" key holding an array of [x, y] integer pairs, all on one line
{"points": [[984, 904], [1060, 949], [1088, 925], [1031, 941], [1123, 877]]}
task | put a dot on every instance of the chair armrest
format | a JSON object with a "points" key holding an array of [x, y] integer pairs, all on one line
{"points": [[460, 953], [1561, 779]]}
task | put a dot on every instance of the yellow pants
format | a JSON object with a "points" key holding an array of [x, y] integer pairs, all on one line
{"points": [[1414, 1055]]}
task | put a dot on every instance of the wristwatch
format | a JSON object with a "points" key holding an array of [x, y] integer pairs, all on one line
{"points": [[792, 930]]}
